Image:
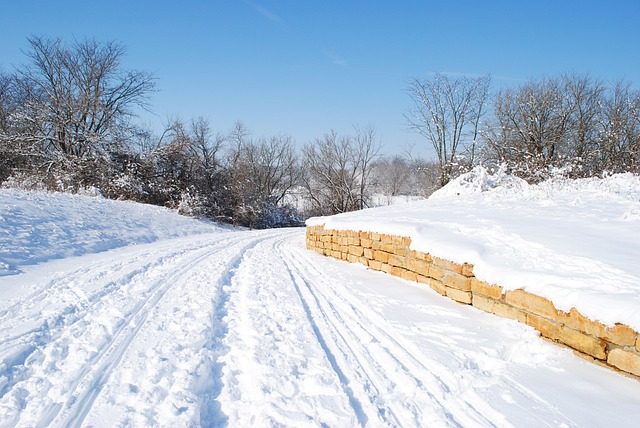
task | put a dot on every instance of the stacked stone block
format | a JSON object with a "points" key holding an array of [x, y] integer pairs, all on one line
{"points": [[617, 347]]}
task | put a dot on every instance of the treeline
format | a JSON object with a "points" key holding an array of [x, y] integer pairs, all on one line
{"points": [[68, 123], [572, 125]]}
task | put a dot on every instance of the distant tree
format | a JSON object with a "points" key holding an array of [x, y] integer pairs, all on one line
{"points": [[78, 102], [337, 171], [447, 111]]}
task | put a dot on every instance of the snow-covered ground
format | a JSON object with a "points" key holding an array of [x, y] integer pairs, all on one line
{"points": [[575, 242], [117, 314]]}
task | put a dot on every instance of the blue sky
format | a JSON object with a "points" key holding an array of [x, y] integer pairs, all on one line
{"points": [[303, 68]]}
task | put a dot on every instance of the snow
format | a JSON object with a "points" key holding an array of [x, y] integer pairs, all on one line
{"points": [[575, 242], [117, 314]]}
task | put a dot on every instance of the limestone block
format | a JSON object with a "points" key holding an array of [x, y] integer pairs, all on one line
{"points": [[375, 264], [456, 280], [365, 242], [438, 286], [584, 343], [498, 308], [336, 254], [368, 253], [397, 271], [467, 269], [352, 240], [532, 303], [356, 250], [388, 247], [481, 287], [352, 259], [376, 245], [326, 238], [546, 328], [363, 260], [418, 266], [375, 236], [625, 360], [409, 276], [397, 261], [619, 334], [381, 256], [459, 295], [638, 343], [447, 265], [386, 268], [436, 273], [365, 235], [386, 239], [400, 250]]}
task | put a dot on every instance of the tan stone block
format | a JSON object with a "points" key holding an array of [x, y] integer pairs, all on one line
{"points": [[532, 303], [386, 268], [467, 269], [456, 280], [397, 271], [482, 302], [438, 286], [418, 266], [459, 295], [352, 259], [381, 256], [344, 255], [409, 276], [375, 236], [397, 261], [389, 248], [584, 343], [319, 250], [423, 279], [336, 254], [447, 265], [376, 245], [627, 361], [436, 273], [364, 261], [620, 334], [368, 253], [400, 251], [498, 308], [386, 239], [365, 235], [398, 240], [546, 328], [375, 264], [366, 243], [356, 250], [638, 343], [355, 241], [481, 287], [326, 238]]}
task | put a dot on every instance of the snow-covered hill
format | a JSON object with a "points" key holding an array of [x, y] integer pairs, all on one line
{"points": [[116, 314]]}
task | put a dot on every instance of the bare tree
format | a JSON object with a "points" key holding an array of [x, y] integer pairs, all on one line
{"points": [[338, 171], [79, 100], [447, 111]]}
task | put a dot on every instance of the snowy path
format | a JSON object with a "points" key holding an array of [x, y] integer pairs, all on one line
{"points": [[251, 329]]}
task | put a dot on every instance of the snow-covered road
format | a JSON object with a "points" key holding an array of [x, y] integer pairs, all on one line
{"points": [[251, 329]]}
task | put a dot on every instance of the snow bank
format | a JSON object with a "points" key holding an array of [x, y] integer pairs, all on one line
{"points": [[38, 226], [575, 242]]}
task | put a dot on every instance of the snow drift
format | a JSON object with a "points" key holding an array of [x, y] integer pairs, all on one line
{"points": [[574, 242]]}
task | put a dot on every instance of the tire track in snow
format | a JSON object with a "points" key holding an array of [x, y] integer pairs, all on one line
{"points": [[365, 341], [82, 384], [382, 365]]}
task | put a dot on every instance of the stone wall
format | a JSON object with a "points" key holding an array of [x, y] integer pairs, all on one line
{"points": [[616, 347]]}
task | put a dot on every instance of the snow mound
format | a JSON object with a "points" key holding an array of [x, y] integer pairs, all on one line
{"points": [[36, 227], [480, 180], [574, 242]]}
